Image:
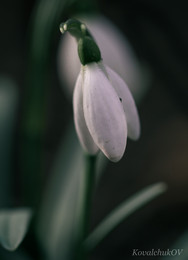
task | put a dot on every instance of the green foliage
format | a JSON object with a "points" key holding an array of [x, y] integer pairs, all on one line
{"points": [[119, 214], [14, 224]]}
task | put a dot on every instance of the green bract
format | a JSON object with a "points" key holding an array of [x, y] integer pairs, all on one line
{"points": [[88, 50]]}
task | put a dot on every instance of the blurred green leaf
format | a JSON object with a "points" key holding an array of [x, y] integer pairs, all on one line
{"points": [[128, 207], [58, 224], [8, 105], [42, 31], [14, 224]]}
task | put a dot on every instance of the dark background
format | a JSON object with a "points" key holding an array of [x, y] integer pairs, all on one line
{"points": [[158, 33]]}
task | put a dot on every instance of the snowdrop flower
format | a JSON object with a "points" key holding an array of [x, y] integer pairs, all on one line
{"points": [[104, 110], [111, 41]]}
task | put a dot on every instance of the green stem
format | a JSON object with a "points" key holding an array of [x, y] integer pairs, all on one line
{"points": [[86, 203], [42, 29]]}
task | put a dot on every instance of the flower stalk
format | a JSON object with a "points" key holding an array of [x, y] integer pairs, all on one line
{"points": [[90, 163], [88, 50]]}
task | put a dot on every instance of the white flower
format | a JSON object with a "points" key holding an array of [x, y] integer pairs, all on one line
{"points": [[104, 111]]}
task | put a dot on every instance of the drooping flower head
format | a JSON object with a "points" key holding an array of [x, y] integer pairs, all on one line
{"points": [[104, 110]]}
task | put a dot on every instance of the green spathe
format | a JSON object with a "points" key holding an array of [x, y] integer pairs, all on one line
{"points": [[88, 51]]}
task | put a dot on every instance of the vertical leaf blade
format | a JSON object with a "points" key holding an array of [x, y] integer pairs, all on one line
{"points": [[125, 209], [14, 224]]}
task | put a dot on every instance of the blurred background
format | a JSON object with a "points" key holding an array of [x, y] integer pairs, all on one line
{"points": [[157, 34]]}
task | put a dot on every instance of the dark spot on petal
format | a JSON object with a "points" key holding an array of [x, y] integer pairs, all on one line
{"points": [[120, 99]]}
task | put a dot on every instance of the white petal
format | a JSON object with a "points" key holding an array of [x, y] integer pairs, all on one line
{"points": [[84, 136], [103, 113], [133, 122]]}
